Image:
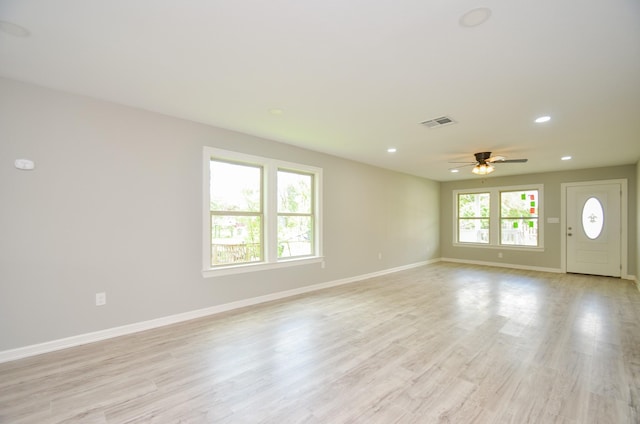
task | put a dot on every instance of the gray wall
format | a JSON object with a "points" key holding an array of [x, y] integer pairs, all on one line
{"points": [[551, 257], [114, 205]]}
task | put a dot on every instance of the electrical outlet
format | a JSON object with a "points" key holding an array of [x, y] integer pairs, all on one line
{"points": [[101, 299], [379, 255], [500, 255]]}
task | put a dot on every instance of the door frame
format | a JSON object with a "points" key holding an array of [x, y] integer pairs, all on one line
{"points": [[623, 222]]}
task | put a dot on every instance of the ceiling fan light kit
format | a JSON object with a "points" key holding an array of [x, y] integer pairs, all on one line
{"points": [[483, 169]]}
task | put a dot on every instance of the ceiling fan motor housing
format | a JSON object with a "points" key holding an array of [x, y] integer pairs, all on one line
{"points": [[482, 156]]}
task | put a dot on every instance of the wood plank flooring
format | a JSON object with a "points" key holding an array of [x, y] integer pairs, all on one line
{"points": [[444, 343]]}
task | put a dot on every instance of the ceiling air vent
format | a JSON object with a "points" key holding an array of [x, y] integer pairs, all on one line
{"points": [[438, 122]]}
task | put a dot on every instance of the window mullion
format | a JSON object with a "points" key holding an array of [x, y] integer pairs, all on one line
{"points": [[494, 218], [271, 213]]}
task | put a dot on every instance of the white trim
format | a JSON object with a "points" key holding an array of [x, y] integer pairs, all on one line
{"points": [[206, 204], [502, 247], [81, 339], [624, 225], [529, 268], [503, 265], [261, 266]]}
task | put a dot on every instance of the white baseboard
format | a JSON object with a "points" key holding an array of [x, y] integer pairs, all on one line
{"points": [[503, 265], [81, 339], [528, 268]]}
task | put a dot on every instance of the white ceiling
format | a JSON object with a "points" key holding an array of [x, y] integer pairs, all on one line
{"points": [[354, 77]]}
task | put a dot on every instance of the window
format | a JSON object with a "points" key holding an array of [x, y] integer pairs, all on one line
{"points": [[236, 213], [500, 216], [258, 213], [592, 218], [295, 214], [519, 217], [473, 217]]}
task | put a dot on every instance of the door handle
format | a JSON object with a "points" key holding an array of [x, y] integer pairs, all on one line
{"points": [[569, 234]]}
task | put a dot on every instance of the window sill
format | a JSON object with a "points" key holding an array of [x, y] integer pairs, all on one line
{"points": [[262, 266], [501, 247]]}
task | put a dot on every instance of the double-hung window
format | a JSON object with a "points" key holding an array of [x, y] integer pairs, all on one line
{"points": [[519, 217], [259, 213], [473, 217], [499, 217], [295, 214], [236, 212]]}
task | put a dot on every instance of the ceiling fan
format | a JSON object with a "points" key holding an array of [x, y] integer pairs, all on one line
{"points": [[484, 163]]}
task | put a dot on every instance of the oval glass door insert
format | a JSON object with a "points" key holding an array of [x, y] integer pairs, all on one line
{"points": [[592, 218]]}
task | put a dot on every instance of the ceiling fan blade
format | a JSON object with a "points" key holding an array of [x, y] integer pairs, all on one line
{"points": [[462, 166], [467, 162], [513, 160]]}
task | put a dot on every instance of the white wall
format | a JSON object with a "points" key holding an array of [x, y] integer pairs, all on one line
{"points": [[114, 205]]}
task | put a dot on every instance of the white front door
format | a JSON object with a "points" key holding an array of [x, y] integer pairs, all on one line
{"points": [[593, 219]]}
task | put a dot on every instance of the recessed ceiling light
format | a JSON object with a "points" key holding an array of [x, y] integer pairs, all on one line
{"points": [[392, 150], [565, 158], [542, 119], [475, 17], [455, 170], [14, 29]]}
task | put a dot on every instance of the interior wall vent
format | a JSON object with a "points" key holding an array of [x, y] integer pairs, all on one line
{"points": [[439, 122]]}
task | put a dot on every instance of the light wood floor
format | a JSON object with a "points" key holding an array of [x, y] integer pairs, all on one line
{"points": [[441, 343]]}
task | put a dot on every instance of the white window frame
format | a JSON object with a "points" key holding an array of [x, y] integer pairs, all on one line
{"points": [[495, 217], [270, 235]]}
